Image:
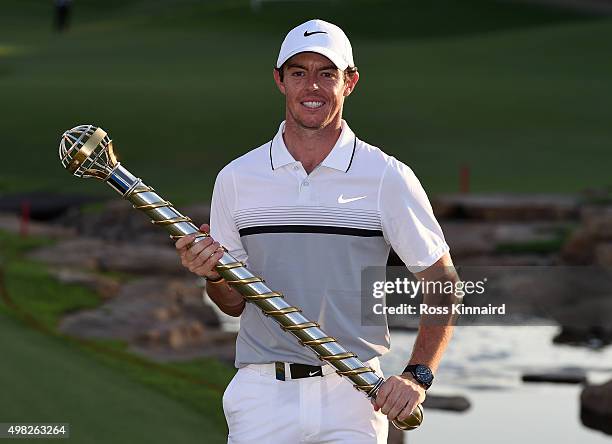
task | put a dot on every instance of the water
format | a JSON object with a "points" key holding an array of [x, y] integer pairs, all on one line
{"points": [[485, 365]]}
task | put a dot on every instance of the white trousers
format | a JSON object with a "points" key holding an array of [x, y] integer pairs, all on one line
{"points": [[259, 409]]}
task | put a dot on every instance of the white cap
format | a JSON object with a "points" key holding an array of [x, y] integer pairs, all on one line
{"points": [[321, 37]]}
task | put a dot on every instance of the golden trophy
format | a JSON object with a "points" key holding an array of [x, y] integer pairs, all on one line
{"points": [[87, 151]]}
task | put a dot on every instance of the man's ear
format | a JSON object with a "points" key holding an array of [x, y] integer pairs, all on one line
{"points": [[350, 83], [279, 83]]}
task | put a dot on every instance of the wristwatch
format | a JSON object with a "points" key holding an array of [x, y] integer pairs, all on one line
{"points": [[421, 374]]}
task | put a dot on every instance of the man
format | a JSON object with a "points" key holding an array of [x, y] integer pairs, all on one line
{"points": [[62, 14], [308, 211]]}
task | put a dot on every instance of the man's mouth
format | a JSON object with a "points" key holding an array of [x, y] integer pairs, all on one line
{"points": [[310, 104]]}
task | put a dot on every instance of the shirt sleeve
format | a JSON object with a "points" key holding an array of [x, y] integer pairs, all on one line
{"points": [[408, 222], [222, 225]]}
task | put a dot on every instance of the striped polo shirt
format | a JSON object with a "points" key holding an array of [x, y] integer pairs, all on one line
{"points": [[311, 235]]}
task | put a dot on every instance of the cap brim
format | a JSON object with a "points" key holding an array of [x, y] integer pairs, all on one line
{"points": [[340, 63]]}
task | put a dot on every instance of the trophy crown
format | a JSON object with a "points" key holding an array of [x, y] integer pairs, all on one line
{"points": [[87, 151]]}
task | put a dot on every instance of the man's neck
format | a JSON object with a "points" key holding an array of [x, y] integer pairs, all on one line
{"points": [[310, 146]]}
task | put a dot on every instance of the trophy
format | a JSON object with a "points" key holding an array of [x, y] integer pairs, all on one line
{"points": [[87, 151]]}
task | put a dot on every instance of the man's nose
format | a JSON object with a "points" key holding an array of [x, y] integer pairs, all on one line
{"points": [[312, 83]]}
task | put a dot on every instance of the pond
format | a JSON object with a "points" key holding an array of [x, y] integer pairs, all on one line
{"points": [[485, 364]]}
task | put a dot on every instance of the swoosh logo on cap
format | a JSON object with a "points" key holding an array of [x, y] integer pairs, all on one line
{"points": [[308, 34], [316, 372]]}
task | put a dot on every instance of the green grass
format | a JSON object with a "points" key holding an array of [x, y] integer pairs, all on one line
{"points": [[518, 93], [547, 246], [106, 393], [12, 246], [552, 244], [32, 289], [47, 380]]}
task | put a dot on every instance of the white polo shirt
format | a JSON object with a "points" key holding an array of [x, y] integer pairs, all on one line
{"points": [[311, 235]]}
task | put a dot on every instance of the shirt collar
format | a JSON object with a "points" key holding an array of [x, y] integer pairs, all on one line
{"points": [[339, 158]]}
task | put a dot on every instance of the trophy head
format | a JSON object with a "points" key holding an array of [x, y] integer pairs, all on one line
{"points": [[87, 151]]}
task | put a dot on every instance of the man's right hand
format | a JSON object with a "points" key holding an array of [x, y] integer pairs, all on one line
{"points": [[200, 258]]}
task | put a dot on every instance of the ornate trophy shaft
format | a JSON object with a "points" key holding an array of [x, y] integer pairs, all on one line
{"points": [[87, 151]]}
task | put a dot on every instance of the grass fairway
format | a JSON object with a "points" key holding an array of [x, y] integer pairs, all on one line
{"points": [[103, 391], [518, 93], [47, 380]]}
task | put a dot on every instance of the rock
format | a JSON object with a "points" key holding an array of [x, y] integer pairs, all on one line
{"points": [[582, 306], [12, 224], [583, 336], [97, 254], [562, 376], [44, 205], [104, 286], [223, 347], [125, 317], [577, 298], [74, 253], [176, 334], [579, 248], [590, 242], [595, 421], [156, 316], [182, 341], [525, 232], [190, 299], [141, 259], [509, 260], [450, 403], [603, 254], [597, 221], [468, 238], [117, 221], [166, 313], [507, 207], [596, 407]]}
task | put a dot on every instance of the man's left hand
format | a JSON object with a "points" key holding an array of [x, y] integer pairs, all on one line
{"points": [[399, 396]]}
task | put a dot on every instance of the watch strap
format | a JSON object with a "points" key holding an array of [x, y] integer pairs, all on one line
{"points": [[411, 368]]}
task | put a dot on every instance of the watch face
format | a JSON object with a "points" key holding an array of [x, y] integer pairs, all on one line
{"points": [[423, 373]]}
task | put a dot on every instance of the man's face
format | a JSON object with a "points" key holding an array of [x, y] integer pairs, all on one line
{"points": [[314, 90]]}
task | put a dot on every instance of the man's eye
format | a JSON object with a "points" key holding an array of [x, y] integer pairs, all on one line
{"points": [[328, 75], [297, 73]]}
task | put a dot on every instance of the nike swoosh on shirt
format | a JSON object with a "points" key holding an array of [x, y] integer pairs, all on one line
{"points": [[342, 200], [307, 34]]}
